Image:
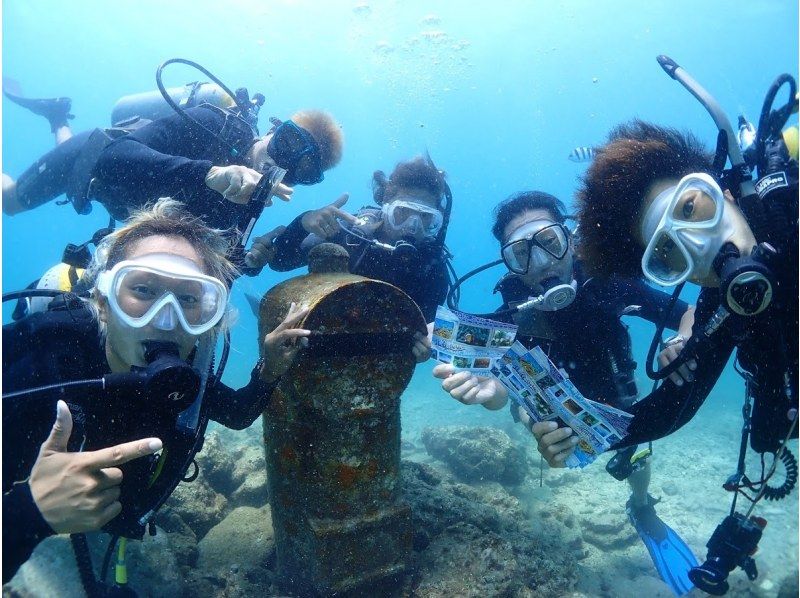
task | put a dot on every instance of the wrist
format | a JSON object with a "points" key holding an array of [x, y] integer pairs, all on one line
{"points": [[265, 373]]}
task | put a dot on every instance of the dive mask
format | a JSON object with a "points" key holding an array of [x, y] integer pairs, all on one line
{"points": [[296, 150], [164, 290], [686, 225], [411, 218], [534, 246]]}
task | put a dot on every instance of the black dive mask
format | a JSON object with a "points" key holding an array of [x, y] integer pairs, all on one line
{"points": [[295, 149]]}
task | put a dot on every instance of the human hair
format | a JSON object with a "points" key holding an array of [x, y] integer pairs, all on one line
{"points": [[611, 194], [522, 202], [325, 131], [417, 173], [169, 218]]}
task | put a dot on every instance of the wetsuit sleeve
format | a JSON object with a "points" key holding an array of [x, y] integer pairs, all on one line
{"points": [[23, 528], [670, 407], [238, 409], [653, 302], [294, 244], [167, 157], [289, 252]]}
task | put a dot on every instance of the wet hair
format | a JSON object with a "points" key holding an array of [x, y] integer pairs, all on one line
{"points": [[417, 173], [169, 218], [325, 131], [523, 202], [611, 194]]}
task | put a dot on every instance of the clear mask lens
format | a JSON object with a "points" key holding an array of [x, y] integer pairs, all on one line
{"points": [[667, 260], [683, 226], [535, 248], [161, 290], [413, 217]]}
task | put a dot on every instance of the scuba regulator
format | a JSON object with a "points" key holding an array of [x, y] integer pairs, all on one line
{"points": [[747, 288]]}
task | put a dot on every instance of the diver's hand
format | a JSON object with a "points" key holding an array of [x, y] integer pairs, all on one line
{"points": [[282, 192], [555, 444], [237, 183], [470, 389], [79, 492], [282, 344], [234, 183], [325, 222], [262, 251], [669, 353], [422, 345], [672, 348]]}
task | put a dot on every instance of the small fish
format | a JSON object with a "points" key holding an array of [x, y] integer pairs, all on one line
{"points": [[581, 154]]}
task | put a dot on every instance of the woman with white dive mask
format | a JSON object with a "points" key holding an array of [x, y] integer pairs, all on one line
{"points": [[539, 253], [685, 226], [164, 290]]}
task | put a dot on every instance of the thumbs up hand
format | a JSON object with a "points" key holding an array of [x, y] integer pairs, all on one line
{"points": [[79, 492], [325, 221]]}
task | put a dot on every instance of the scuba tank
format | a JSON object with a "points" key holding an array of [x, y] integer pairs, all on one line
{"points": [[150, 105]]}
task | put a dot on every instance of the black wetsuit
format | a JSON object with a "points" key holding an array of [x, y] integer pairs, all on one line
{"points": [[422, 274], [767, 348], [587, 338], [58, 346], [167, 157]]}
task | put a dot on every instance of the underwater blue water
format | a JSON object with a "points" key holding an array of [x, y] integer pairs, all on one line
{"points": [[498, 92]]}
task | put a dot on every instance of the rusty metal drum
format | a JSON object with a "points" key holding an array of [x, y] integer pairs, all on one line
{"points": [[332, 434]]}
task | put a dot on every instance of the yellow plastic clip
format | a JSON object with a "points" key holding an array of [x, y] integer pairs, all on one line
{"points": [[642, 454], [121, 568]]}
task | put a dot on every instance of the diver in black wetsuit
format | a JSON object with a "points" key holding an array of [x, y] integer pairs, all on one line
{"points": [[207, 157], [652, 203], [148, 336], [622, 211], [402, 242], [576, 322]]}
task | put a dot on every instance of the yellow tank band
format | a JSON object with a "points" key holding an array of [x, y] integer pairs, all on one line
{"points": [[790, 139]]}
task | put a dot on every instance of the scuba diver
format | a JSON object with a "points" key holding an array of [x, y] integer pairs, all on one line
{"points": [[198, 144], [576, 321], [655, 203], [127, 374], [401, 242]]}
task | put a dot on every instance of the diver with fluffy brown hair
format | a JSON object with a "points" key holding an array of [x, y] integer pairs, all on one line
{"points": [[400, 242]]}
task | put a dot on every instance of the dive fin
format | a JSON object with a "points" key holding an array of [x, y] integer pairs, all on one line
{"points": [[55, 110], [671, 556]]}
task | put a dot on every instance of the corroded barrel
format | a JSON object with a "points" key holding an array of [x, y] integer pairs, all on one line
{"points": [[332, 434]]}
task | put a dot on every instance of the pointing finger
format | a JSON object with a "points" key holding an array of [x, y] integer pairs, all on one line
{"points": [[341, 200], [345, 216], [122, 453]]}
